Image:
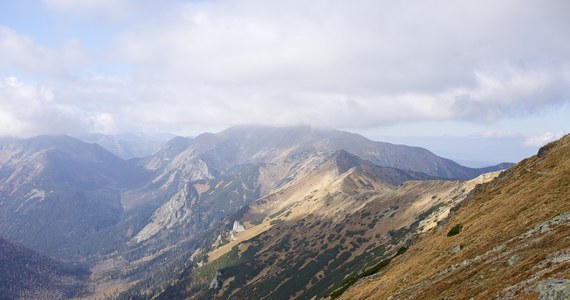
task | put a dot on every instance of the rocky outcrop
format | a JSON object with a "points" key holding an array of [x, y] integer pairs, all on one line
{"points": [[554, 289], [174, 211], [216, 283], [237, 227]]}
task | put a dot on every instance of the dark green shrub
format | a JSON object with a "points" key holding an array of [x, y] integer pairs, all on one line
{"points": [[256, 222], [455, 230], [275, 222], [401, 251]]}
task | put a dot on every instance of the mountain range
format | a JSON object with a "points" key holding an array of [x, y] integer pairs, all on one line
{"points": [[233, 214], [345, 215]]}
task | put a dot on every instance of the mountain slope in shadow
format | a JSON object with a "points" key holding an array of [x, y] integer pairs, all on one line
{"points": [[26, 274]]}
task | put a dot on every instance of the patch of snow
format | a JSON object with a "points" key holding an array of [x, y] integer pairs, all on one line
{"points": [[35, 193]]}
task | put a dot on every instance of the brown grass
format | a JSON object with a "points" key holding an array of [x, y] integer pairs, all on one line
{"points": [[532, 192]]}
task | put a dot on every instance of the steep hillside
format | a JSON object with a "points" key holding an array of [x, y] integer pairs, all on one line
{"points": [[509, 241], [55, 191], [25, 274], [309, 236], [189, 217]]}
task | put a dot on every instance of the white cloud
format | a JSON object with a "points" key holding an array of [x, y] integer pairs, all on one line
{"points": [[358, 64], [510, 91], [27, 110], [20, 53], [543, 139], [104, 123], [10, 125]]}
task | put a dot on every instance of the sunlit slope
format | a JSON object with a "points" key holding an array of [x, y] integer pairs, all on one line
{"points": [[514, 240]]}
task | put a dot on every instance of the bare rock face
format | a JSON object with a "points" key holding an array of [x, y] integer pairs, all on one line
{"points": [[215, 284], [455, 249], [175, 210], [237, 227], [554, 289]]}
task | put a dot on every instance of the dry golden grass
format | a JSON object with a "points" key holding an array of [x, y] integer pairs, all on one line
{"points": [[245, 235], [500, 212]]}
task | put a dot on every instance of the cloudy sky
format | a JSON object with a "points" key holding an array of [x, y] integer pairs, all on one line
{"points": [[441, 74]]}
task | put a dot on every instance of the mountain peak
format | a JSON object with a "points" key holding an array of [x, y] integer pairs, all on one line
{"points": [[346, 160], [61, 142]]}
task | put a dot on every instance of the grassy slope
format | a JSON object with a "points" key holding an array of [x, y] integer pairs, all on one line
{"points": [[504, 252]]}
